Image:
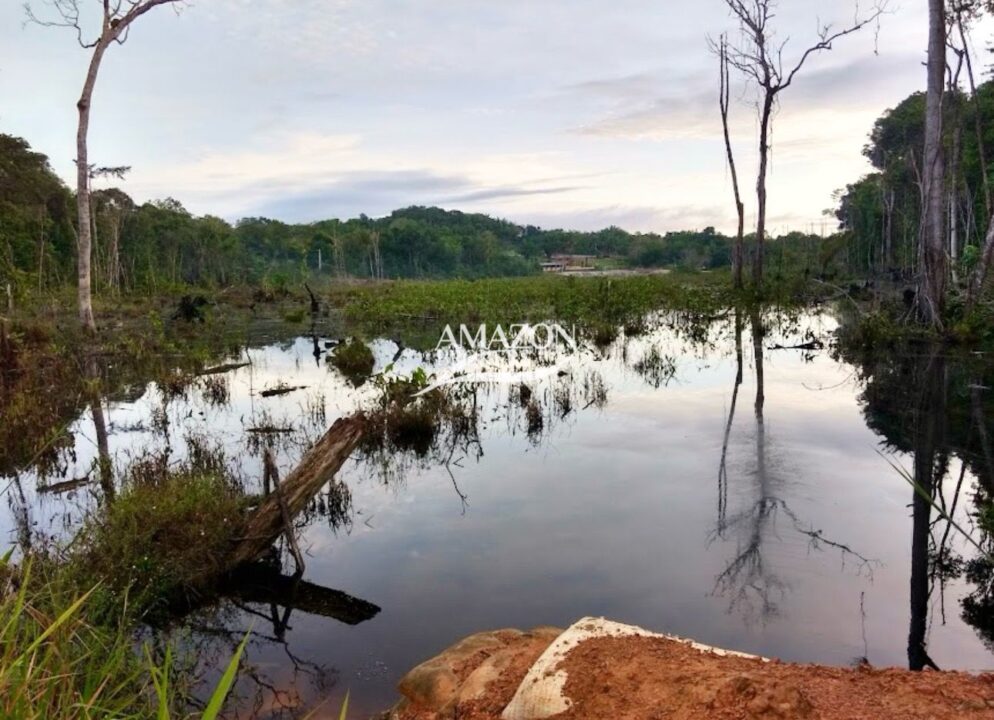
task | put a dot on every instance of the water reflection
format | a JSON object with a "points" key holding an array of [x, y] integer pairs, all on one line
{"points": [[589, 492], [935, 406], [754, 587]]}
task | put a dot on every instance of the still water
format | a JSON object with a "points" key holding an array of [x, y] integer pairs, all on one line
{"points": [[780, 529]]}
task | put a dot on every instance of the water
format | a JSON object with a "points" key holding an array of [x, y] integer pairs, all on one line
{"points": [[798, 545]]}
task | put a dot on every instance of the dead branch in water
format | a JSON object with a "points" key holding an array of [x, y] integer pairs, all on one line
{"points": [[267, 522]]}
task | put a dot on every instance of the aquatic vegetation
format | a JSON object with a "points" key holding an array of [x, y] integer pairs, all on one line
{"points": [[214, 389], [604, 334], [354, 360], [584, 300], [294, 316], [56, 662], [164, 538], [655, 367]]}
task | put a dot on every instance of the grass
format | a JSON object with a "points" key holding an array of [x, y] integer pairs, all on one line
{"points": [[56, 663], [354, 359], [541, 298], [164, 537]]}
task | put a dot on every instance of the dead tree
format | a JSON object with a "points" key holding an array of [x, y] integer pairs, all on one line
{"points": [[267, 522], [759, 57], [117, 18], [723, 97]]}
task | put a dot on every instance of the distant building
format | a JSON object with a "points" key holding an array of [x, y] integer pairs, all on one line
{"points": [[575, 261], [553, 267]]}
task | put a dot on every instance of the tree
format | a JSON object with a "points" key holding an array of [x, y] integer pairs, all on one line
{"points": [[723, 96], [117, 18], [112, 205], [760, 58], [932, 249]]}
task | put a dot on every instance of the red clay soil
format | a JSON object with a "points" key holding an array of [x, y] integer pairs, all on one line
{"points": [[639, 678]]}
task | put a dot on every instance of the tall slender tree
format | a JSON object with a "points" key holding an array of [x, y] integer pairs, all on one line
{"points": [[117, 17], [932, 246], [723, 104], [760, 57]]}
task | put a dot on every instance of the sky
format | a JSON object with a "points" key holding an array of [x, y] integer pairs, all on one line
{"points": [[578, 114]]}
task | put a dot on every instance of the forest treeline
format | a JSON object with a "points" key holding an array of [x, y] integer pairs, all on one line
{"points": [[157, 245], [881, 213]]}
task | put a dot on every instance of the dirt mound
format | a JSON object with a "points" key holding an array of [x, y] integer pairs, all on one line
{"points": [[644, 678]]}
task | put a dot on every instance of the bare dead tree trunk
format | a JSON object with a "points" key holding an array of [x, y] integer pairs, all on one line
{"points": [[760, 59], [116, 21], [723, 101], [114, 259], [84, 242], [932, 286], [764, 154]]}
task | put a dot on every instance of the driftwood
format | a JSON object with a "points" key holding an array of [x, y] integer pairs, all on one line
{"points": [[221, 369], [65, 486], [281, 390], [318, 466], [263, 583], [810, 345], [271, 478]]}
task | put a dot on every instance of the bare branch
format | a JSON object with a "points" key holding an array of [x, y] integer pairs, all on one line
{"points": [[828, 37]]}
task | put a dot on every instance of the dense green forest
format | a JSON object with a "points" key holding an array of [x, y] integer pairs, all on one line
{"points": [[158, 245], [881, 212]]}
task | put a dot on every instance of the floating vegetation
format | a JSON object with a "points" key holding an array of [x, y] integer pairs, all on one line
{"points": [[604, 334], [534, 419], [354, 360]]}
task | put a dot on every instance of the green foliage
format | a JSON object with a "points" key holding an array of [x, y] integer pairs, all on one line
{"points": [[56, 662], [507, 300], [164, 536], [881, 211], [354, 359]]}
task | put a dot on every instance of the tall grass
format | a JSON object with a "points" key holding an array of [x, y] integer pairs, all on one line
{"points": [[54, 663]]}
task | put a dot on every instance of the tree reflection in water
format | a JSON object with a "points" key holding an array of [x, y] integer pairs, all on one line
{"points": [[753, 585], [933, 404]]}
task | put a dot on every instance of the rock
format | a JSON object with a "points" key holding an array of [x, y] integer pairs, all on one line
{"points": [[464, 671], [434, 683]]}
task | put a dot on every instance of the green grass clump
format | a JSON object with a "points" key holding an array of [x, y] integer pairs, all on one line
{"points": [[56, 663], [583, 300], [162, 539], [354, 359]]}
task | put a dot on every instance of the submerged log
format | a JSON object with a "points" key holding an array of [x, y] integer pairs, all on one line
{"points": [[65, 486], [318, 466], [263, 583], [221, 369]]}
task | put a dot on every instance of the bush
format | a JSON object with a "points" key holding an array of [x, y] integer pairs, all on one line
{"points": [[354, 360], [163, 539]]}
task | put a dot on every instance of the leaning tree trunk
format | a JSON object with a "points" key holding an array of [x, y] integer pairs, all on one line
{"points": [[932, 287], [85, 227], [289, 498], [739, 207]]}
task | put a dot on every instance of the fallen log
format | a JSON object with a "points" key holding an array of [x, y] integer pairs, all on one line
{"points": [[263, 583], [65, 486], [221, 369], [318, 466], [281, 390]]}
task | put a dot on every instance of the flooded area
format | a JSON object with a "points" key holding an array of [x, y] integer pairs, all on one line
{"points": [[729, 481]]}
